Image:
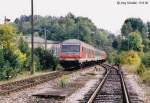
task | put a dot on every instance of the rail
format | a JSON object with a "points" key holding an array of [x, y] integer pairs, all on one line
{"points": [[126, 98]]}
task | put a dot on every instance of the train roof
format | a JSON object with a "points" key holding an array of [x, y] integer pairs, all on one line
{"points": [[76, 41], [71, 41]]}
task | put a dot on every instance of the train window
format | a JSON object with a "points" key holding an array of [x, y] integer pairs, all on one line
{"points": [[71, 48]]}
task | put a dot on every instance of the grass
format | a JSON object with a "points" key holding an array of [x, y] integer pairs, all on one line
{"points": [[145, 77], [64, 81], [130, 68], [90, 73]]}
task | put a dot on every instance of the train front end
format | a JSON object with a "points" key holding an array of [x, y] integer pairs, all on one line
{"points": [[70, 54]]}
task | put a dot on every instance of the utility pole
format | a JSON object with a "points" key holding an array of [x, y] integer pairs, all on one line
{"points": [[128, 44], [92, 35], [45, 38], [32, 40], [78, 28]]}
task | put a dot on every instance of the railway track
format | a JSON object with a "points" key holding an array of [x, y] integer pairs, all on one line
{"points": [[111, 89], [29, 82], [19, 85]]}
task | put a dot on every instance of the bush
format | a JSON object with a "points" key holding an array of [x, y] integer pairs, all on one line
{"points": [[146, 59], [7, 73], [146, 77], [113, 58], [46, 59], [2, 61], [141, 69], [36, 63], [15, 59], [130, 57], [64, 81], [23, 46], [11, 58]]}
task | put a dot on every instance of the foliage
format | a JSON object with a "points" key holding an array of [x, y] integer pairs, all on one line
{"points": [[68, 27], [133, 25], [124, 45], [132, 42], [146, 77], [46, 59], [21, 57], [146, 59], [130, 57], [2, 61], [64, 80], [14, 59], [7, 35], [135, 41], [141, 69], [36, 63], [115, 44], [10, 58], [7, 73], [148, 26], [23, 46], [113, 58]]}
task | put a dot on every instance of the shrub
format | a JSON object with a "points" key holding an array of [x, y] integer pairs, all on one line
{"points": [[146, 59], [21, 57], [46, 59], [122, 58], [140, 69], [113, 58], [23, 46], [11, 58], [15, 58], [130, 57], [7, 73], [36, 63], [64, 81], [2, 61], [146, 77]]}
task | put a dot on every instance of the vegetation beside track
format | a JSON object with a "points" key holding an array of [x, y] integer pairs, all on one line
{"points": [[15, 55], [132, 48]]}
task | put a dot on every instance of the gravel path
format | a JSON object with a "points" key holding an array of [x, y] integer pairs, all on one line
{"points": [[79, 94]]}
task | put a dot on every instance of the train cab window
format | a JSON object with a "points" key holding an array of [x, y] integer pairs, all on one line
{"points": [[70, 48]]}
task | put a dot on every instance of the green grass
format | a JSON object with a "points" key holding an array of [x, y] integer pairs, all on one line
{"points": [[64, 81]]}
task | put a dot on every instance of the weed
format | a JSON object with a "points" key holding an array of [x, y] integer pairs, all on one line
{"points": [[64, 80]]}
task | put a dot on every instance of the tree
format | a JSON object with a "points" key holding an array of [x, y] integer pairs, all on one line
{"points": [[7, 35], [134, 25], [135, 41], [2, 61], [124, 45], [148, 26], [67, 27], [23, 46]]}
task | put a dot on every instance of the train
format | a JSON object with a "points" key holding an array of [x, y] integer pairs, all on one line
{"points": [[76, 54]]}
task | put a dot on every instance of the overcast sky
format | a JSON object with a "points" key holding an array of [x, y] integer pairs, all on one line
{"points": [[105, 14]]}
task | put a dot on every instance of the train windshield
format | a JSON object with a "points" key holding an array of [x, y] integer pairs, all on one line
{"points": [[71, 48]]}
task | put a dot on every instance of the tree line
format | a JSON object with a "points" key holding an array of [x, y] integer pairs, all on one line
{"points": [[67, 27]]}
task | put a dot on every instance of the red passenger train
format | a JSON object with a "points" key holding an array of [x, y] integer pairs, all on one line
{"points": [[75, 53]]}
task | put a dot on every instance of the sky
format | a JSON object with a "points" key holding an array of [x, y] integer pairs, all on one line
{"points": [[106, 14]]}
